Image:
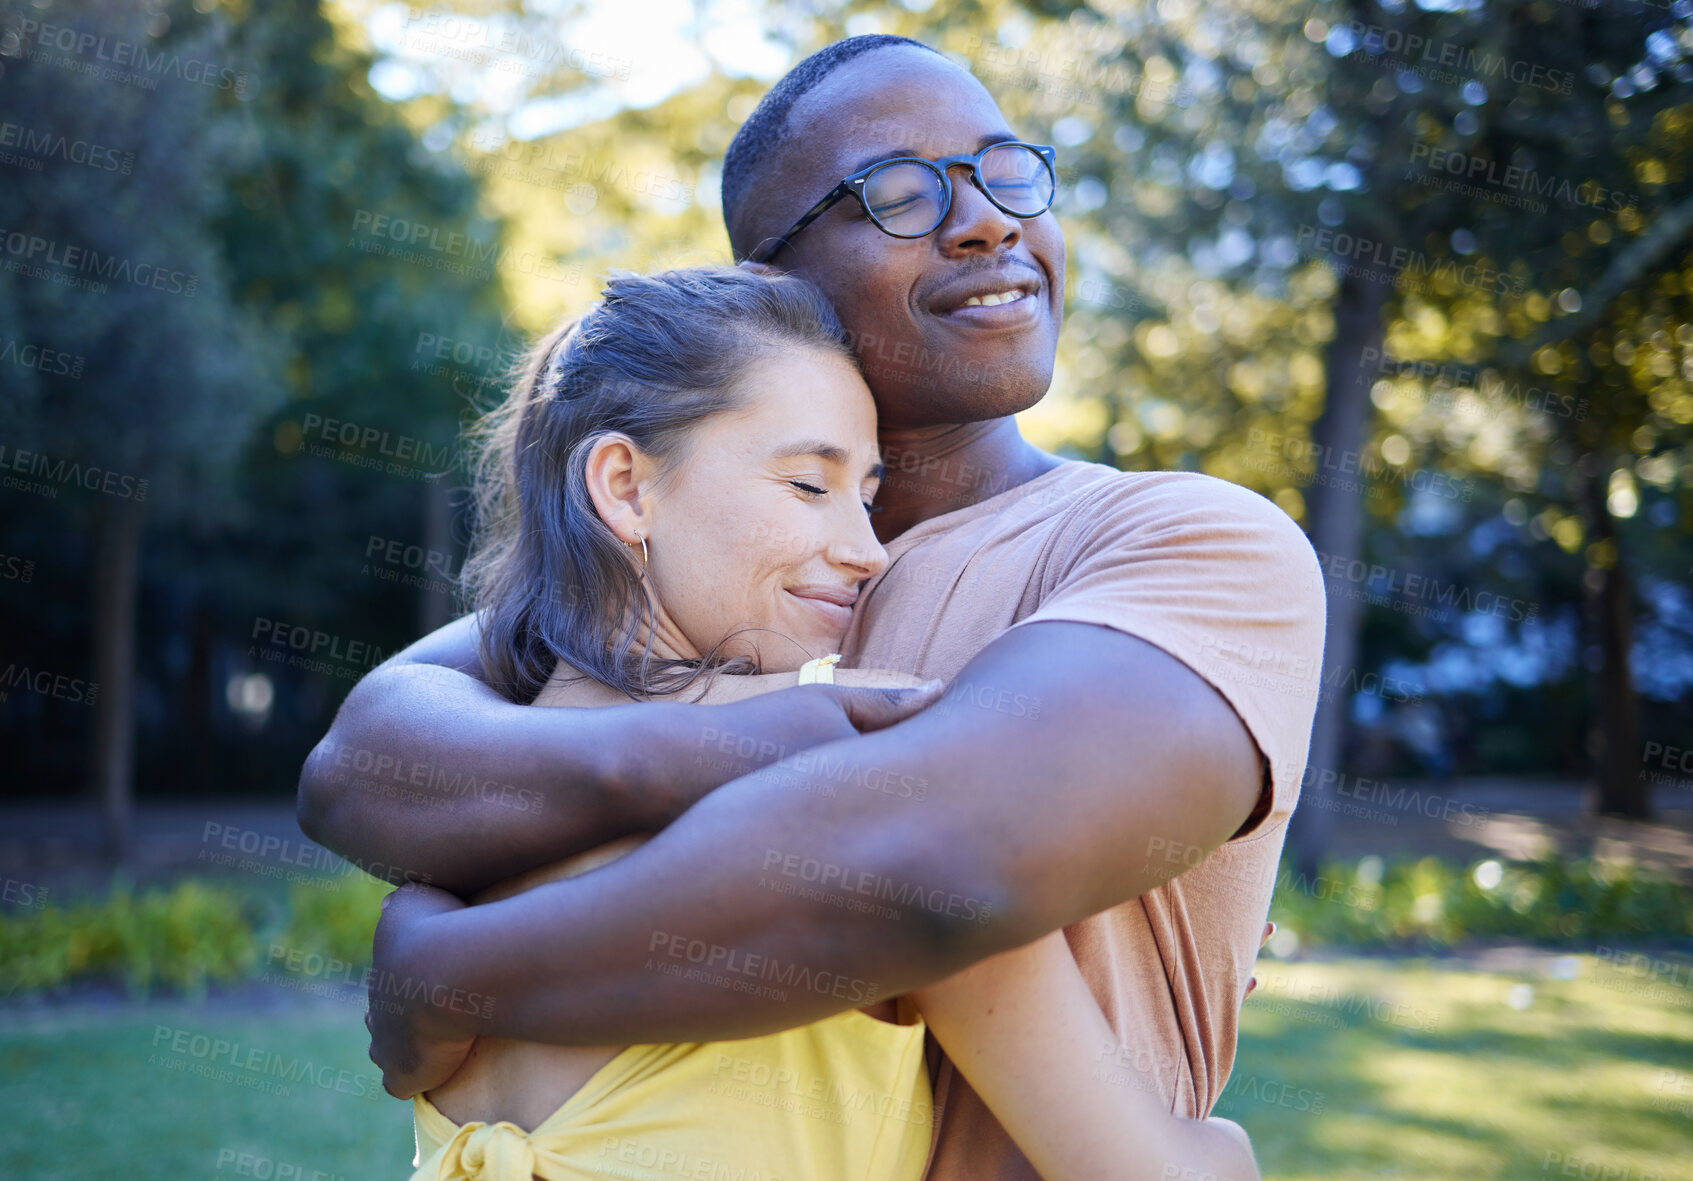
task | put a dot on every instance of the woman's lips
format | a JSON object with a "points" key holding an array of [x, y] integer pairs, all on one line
{"points": [[837, 615]]}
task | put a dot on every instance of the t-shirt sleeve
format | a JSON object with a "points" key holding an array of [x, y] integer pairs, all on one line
{"points": [[1221, 579]]}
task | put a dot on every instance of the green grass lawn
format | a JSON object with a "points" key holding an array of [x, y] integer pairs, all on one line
{"points": [[1432, 1070], [112, 1096], [1353, 1068]]}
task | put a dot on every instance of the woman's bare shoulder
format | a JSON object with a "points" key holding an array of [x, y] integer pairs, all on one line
{"points": [[570, 687]]}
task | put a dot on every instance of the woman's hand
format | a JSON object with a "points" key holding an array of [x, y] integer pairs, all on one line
{"points": [[1231, 1129], [1269, 929], [401, 1001]]}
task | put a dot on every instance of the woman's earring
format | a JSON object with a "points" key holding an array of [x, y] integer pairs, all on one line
{"points": [[643, 542]]}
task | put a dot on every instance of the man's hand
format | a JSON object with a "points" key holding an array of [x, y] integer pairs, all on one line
{"points": [[411, 1062], [870, 697], [754, 721]]}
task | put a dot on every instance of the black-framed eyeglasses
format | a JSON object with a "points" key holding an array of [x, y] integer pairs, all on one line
{"points": [[909, 197]]}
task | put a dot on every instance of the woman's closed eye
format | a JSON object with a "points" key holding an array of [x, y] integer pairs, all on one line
{"points": [[812, 490]]}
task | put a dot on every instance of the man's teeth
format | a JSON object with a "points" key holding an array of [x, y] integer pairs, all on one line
{"points": [[992, 301]]}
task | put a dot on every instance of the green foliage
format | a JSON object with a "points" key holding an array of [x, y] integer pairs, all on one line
{"points": [[198, 932], [183, 937], [180, 938], [1432, 904], [298, 317], [338, 923], [167, 339], [1203, 147]]}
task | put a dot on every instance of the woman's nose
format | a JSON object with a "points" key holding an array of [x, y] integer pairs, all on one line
{"points": [[857, 549]]}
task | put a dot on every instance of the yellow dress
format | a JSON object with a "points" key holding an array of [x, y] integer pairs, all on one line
{"points": [[843, 1099]]}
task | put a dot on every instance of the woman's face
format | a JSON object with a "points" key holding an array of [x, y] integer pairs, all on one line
{"points": [[762, 523]]}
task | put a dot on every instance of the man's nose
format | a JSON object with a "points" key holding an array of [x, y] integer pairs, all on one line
{"points": [[974, 223]]}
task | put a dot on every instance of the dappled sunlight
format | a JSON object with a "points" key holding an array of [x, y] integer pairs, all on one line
{"points": [[1435, 1069]]}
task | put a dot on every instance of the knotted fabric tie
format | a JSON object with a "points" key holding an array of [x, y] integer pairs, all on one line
{"points": [[488, 1152]]}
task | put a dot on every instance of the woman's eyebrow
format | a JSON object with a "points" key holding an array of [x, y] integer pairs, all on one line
{"points": [[828, 452]]}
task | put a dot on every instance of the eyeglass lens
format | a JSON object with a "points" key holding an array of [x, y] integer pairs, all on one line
{"points": [[908, 198]]}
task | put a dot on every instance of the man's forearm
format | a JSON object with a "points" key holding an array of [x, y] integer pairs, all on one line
{"points": [[427, 774], [706, 932], [954, 836]]}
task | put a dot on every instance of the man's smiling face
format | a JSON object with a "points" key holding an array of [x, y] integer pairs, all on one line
{"points": [[936, 345]]}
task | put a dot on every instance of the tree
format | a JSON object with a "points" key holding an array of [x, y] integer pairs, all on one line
{"points": [[248, 198], [129, 278]]}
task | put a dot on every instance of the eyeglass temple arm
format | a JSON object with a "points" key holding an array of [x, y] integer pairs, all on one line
{"points": [[766, 252]]}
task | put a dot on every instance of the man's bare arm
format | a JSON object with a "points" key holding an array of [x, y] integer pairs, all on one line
{"points": [[428, 774], [702, 934]]}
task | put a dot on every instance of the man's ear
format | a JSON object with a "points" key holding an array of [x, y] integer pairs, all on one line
{"points": [[619, 476]]}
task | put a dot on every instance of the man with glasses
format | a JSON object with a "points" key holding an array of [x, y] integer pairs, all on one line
{"points": [[909, 197], [1132, 664]]}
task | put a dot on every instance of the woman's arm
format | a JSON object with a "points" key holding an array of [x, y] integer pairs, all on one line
{"points": [[1026, 1032]]}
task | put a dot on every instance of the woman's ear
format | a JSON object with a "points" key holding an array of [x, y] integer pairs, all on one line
{"points": [[619, 477]]}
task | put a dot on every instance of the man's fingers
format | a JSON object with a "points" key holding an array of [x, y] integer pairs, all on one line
{"points": [[874, 709], [396, 1075], [411, 901], [426, 1065], [1251, 984]]}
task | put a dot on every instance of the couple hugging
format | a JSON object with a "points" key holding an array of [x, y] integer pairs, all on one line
{"points": [[986, 906]]}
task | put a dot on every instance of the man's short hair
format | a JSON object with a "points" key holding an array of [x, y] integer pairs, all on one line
{"points": [[763, 129]]}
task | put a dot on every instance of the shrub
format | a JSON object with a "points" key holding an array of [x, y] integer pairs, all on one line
{"points": [[180, 938], [337, 922], [1432, 904]]}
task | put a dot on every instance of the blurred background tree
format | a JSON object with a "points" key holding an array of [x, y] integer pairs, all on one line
{"points": [[149, 395], [1418, 273], [248, 192]]}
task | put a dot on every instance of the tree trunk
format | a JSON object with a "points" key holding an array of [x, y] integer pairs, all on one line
{"points": [[198, 692], [1334, 516], [117, 579], [1623, 790], [434, 606]]}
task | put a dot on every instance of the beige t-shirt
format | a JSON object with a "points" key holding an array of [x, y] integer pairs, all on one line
{"points": [[1219, 578]]}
